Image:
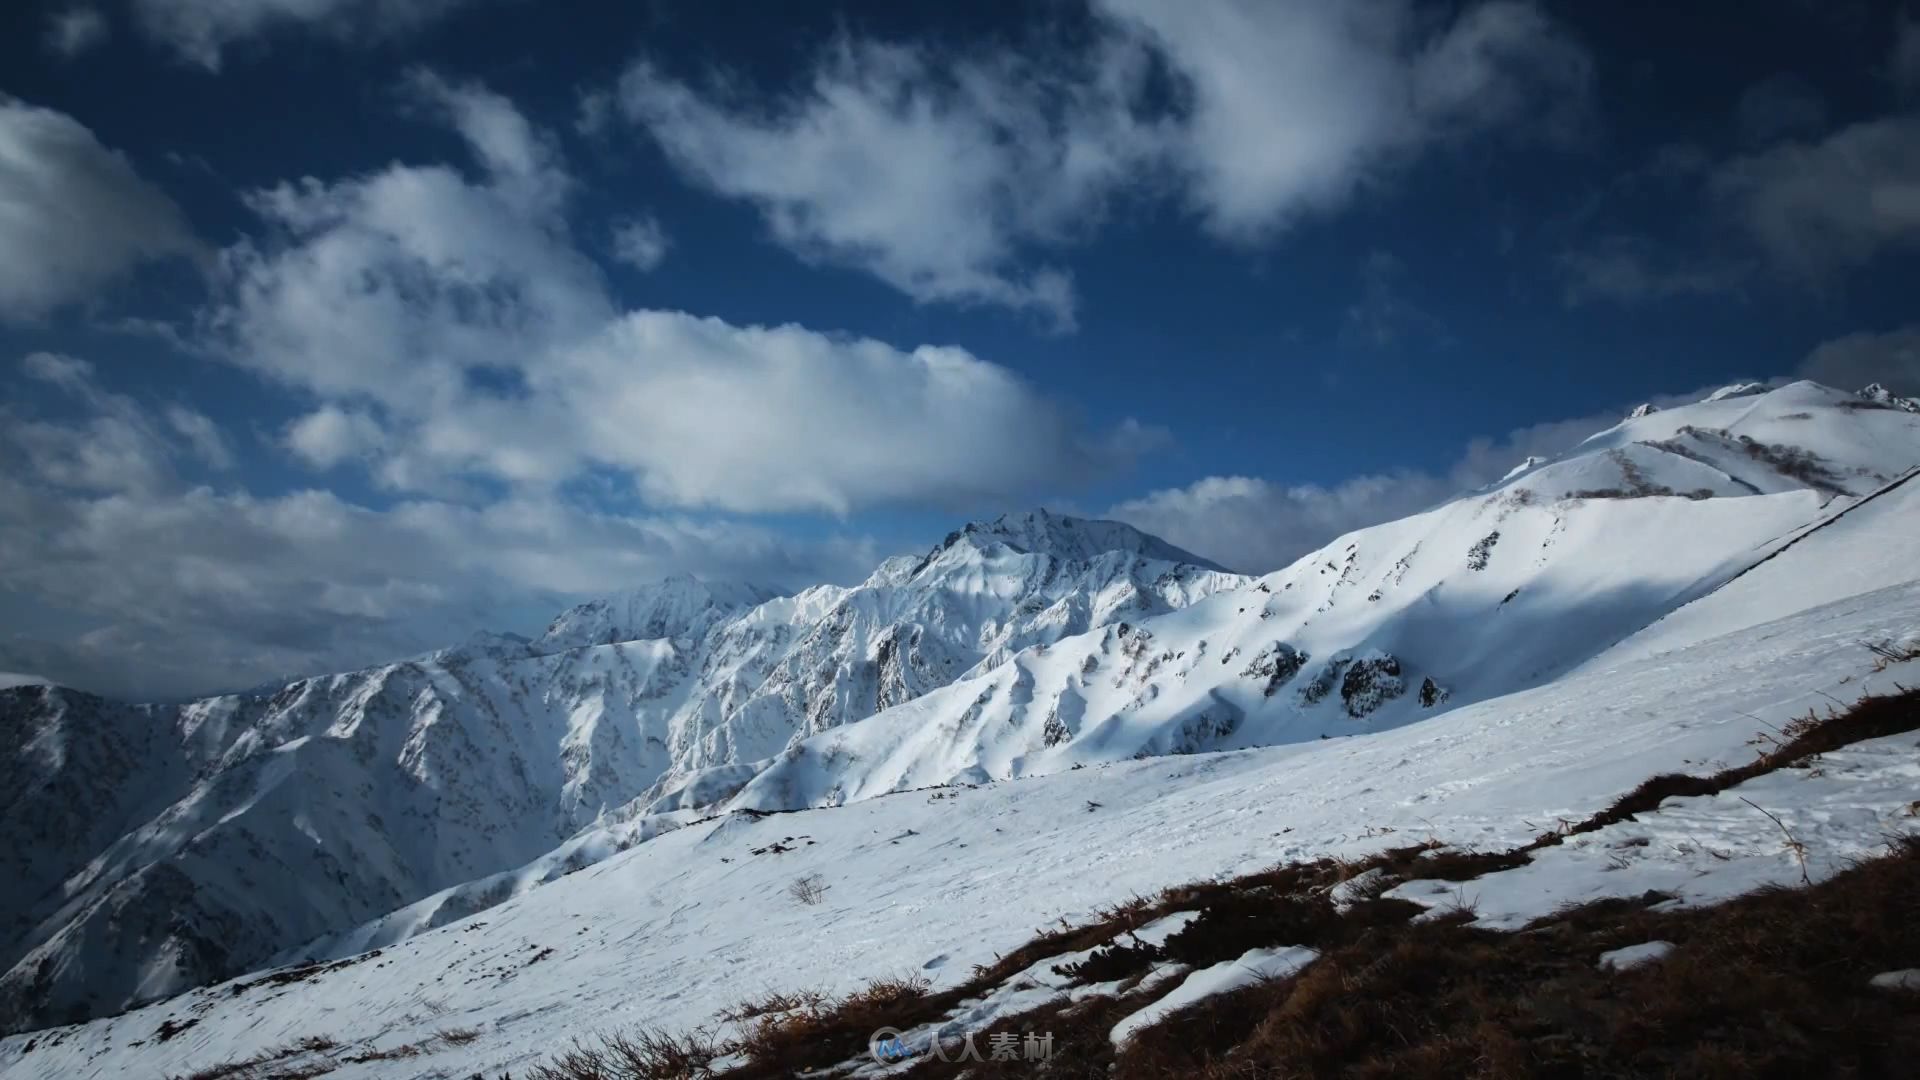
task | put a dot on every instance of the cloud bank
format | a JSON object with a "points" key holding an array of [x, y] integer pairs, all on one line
{"points": [[936, 172], [74, 215]]}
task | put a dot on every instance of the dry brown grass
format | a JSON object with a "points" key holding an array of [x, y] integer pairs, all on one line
{"points": [[791, 1027], [809, 890], [642, 1055], [391, 1053], [1772, 984], [275, 1064]]}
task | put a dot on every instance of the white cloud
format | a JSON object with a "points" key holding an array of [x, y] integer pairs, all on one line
{"points": [[640, 242], [937, 173], [200, 591], [73, 214], [331, 435], [200, 31], [1255, 525], [458, 310], [1851, 362], [926, 183], [1818, 208], [119, 446], [1295, 107], [402, 283], [705, 413], [141, 583], [75, 30], [522, 162], [203, 439]]}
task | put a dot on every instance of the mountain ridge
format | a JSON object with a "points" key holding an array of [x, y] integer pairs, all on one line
{"points": [[375, 787]]}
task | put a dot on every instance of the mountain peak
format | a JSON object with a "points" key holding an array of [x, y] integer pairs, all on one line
{"points": [[679, 605], [1072, 539], [1734, 390], [1875, 392]]}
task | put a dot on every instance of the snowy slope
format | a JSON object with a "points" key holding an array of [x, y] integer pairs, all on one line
{"points": [[671, 931], [160, 847], [1236, 670], [1498, 591]]}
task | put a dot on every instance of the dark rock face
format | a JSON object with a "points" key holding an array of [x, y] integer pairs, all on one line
{"points": [[1205, 729], [1431, 693], [1277, 664], [1482, 551], [1324, 682], [1370, 683]]}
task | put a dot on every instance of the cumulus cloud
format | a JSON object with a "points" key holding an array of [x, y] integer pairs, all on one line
{"points": [[447, 334], [402, 284], [926, 183], [1293, 108], [201, 31], [119, 445], [331, 435], [75, 30], [202, 591], [640, 242], [1821, 207], [174, 587], [1891, 359], [1258, 525], [452, 329], [706, 413], [73, 214], [938, 173]]}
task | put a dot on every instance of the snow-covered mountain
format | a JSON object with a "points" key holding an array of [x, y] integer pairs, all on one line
{"points": [[152, 848], [160, 847], [1499, 590]]}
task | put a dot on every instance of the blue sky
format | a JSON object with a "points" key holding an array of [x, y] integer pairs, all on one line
{"points": [[336, 329]]}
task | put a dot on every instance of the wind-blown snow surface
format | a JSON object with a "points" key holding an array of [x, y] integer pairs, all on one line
{"points": [[152, 848], [669, 932]]}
